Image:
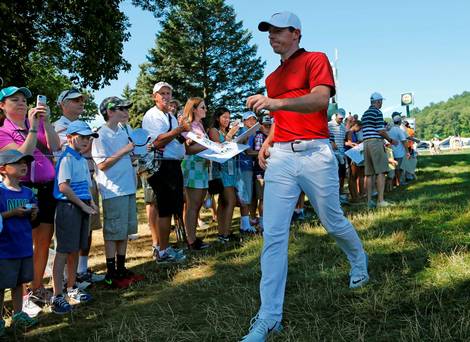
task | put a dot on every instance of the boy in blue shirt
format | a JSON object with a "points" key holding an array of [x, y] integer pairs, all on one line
{"points": [[74, 207], [17, 207]]}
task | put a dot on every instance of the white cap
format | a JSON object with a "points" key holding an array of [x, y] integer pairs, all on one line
{"points": [[281, 20], [376, 96], [160, 85]]}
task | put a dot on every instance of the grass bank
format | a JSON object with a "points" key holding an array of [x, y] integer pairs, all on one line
{"points": [[419, 289]]}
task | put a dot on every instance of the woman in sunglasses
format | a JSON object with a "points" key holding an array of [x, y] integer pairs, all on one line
{"points": [[31, 132]]}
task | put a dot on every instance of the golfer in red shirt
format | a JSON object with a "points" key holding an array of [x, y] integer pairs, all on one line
{"points": [[298, 157]]}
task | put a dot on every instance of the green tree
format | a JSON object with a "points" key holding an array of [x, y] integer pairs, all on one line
{"points": [[202, 50], [451, 117], [82, 39]]}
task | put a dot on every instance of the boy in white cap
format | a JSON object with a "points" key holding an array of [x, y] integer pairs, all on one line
{"points": [[300, 158]]}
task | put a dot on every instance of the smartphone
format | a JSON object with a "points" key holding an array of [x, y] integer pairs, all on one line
{"points": [[41, 100]]}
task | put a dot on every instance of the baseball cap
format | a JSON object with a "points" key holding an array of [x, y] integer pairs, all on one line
{"points": [[13, 156], [281, 20], [248, 115], [69, 94], [80, 127], [341, 113], [396, 118], [376, 96], [9, 91], [160, 85], [113, 102], [266, 120]]}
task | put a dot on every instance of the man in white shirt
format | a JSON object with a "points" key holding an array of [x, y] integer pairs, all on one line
{"points": [[167, 183], [72, 103]]}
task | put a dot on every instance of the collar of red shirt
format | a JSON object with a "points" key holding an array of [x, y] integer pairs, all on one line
{"points": [[294, 55]]}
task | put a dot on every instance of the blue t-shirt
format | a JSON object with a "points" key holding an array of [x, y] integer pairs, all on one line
{"points": [[16, 240], [245, 162], [72, 167]]}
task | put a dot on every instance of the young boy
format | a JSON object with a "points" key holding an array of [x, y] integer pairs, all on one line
{"points": [[74, 207], [17, 207], [117, 183]]}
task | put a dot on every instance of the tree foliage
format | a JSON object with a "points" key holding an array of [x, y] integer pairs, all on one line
{"points": [[202, 50], [81, 39], [451, 117]]}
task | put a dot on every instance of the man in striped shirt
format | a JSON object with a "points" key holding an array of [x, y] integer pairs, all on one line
{"points": [[337, 131], [375, 157]]}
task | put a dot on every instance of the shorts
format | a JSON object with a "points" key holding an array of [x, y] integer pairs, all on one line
{"points": [[72, 227], [245, 186], [149, 195], [391, 174], [95, 220], [342, 170], [119, 217], [399, 161], [14, 272], [46, 202], [259, 187], [195, 172], [167, 184], [375, 157]]}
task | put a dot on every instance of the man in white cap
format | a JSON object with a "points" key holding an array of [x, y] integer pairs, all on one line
{"points": [[337, 136], [400, 151], [300, 158], [375, 158], [167, 183], [72, 104]]}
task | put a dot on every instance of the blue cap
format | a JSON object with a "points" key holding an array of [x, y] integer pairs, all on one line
{"points": [[9, 91], [13, 156], [248, 115], [82, 128]]}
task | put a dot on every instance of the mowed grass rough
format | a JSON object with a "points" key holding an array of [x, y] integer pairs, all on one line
{"points": [[419, 289]]}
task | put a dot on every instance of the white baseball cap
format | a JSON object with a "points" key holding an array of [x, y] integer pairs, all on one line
{"points": [[281, 20], [160, 85], [341, 113], [376, 96]]}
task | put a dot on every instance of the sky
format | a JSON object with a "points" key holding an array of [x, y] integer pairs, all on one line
{"points": [[387, 46]]}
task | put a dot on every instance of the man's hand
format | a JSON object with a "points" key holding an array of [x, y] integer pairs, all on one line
{"points": [[394, 142], [20, 212], [259, 102], [88, 210], [333, 144], [263, 155]]}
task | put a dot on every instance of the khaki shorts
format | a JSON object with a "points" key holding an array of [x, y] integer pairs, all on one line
{"points": [[119, 217], [95, 220], [149, 195], [375, 157]]}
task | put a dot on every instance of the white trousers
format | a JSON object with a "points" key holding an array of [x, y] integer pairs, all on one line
{"points": [[315, 171]]}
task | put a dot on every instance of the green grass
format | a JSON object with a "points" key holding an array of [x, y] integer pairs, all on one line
{"points": [[419, 288]]}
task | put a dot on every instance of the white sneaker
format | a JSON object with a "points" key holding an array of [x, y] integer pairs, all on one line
{"points": [[132, 237], [29, 307], [260, 329], [384, 204]]}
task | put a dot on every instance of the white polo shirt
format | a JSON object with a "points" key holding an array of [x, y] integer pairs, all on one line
{"points": [[156, 123], [396, 133], [60, 127], [119, 179]]}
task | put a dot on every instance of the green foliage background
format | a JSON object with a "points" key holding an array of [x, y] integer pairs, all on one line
{"points": [[451, 117]]}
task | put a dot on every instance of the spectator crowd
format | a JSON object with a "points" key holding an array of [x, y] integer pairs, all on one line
{"points": [[62, 181]]}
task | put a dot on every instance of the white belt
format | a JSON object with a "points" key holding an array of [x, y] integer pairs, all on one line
{"points": [[300, 145]]}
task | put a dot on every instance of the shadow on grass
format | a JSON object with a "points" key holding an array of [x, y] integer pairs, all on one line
{"points": [[212, 297]]}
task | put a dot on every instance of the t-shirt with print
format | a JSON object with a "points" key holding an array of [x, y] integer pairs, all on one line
{"points": [[16, 239], [73, 167]]}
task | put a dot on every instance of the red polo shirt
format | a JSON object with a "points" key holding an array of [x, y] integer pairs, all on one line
{"points": [[296, 77]]}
